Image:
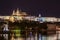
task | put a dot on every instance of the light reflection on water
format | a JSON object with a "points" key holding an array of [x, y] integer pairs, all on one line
{"points": [[17, 35], [35, 37], [31, 38], [40, 37]]}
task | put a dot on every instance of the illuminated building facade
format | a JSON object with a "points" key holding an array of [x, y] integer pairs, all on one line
{"points": [[16, 15], [19, 15]]}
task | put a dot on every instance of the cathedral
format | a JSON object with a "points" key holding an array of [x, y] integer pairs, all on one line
{"points": [[16, 15]]}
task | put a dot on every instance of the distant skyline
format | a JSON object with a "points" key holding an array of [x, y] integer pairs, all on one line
{"points": [[32, 7]]}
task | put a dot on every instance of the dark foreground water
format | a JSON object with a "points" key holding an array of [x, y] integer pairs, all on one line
{"points": [[31, 37]]}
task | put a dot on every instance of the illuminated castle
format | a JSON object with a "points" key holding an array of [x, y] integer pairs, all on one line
{"points": [[18, 15]]}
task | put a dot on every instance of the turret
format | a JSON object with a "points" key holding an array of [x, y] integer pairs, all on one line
{"points": [[39, 15]]}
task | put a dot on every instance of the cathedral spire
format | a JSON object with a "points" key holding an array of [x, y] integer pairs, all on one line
{"points": [[17, 10], [13, 12]]}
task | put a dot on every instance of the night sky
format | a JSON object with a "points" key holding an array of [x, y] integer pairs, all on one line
{"points": [[32, 7]]}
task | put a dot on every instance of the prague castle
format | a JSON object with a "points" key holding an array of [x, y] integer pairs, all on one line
{"points": [[16, 15], [19, 15]]}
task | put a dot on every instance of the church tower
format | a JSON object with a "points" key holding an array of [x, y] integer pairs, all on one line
{"points": [[17, 12], [13, 12], [39, 15]]}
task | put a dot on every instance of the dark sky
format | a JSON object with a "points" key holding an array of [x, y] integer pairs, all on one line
{"points": [[32, 7]]}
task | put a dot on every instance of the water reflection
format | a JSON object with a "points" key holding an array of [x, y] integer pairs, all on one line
{"points": [[31, 32], [30, 36]]}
